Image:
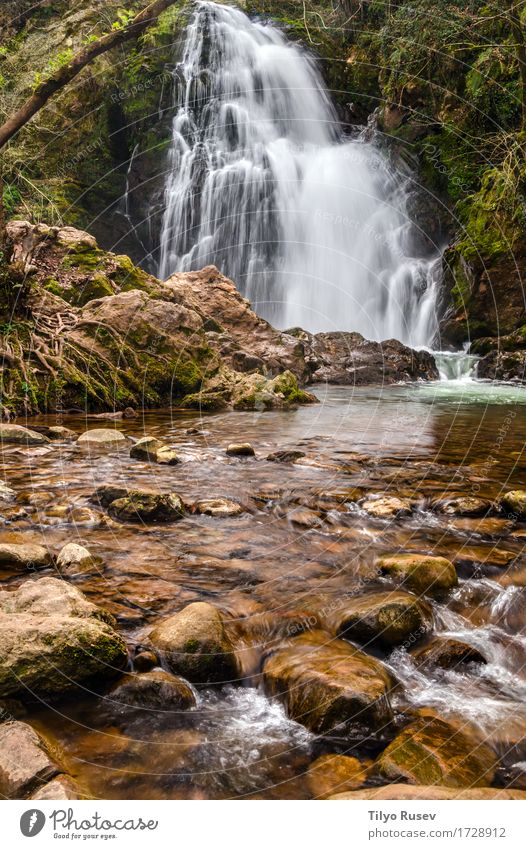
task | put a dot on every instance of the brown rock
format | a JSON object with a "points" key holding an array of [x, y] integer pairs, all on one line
{"points": [[326, 683], [61, 788], [386, 507], [195, 645], [431, 751], [219, 507], [384, 618], [243, 449], [142, 506], [24, 557], [331, 774], [446, 653], [152, 690], [407, 792], [24, 760], [101, 437], [422, 574], [21, 435]]}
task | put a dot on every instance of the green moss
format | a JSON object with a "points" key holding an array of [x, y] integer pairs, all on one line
{"points": [[128, 276], [83, 258]]}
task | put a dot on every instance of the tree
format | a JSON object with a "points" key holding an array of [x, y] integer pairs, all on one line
{"points": [[67, 71]]}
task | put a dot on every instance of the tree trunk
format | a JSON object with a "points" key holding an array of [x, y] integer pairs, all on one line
{"points": [[69, 71]]}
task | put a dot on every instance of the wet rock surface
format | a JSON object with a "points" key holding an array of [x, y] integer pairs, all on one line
{"points": [[25, 760], [386, 619], [326, 684]]}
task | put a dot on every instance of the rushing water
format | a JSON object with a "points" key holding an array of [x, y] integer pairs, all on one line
{"points": [[312, 227], [263, 569]]}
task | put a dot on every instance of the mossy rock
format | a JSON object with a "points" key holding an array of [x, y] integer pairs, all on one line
{"points": [[423, 574], [386, 619], [194, 644], [431, 751]]}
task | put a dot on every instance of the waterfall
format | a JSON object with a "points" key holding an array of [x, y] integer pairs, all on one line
{"points": [[312, 227]]}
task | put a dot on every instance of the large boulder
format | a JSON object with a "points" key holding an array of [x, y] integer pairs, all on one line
{"points": [[25, 760], [194, 644], [407, 793], [23, 557], [143, 506], [327, 684], [423, 574], [431, 751], [21, 435], [52, 640], [385, 618]]}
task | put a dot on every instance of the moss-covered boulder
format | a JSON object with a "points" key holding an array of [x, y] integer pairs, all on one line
{"points": [[195, 644], [53, 640], [385, 619], [326, 684], [431, 751], [420, 573]]}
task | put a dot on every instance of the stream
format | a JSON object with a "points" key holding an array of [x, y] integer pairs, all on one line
{"points": [[265, 569]]}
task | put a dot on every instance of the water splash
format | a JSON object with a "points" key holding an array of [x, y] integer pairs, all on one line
{"points": [[313, 228]]}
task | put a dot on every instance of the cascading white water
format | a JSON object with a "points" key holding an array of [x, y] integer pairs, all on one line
{"points": [[313, 228]]}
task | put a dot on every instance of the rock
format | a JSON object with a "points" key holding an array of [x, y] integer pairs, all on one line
{"points": [[503, 365], [155, 690], [60, 789], [431, 751], [243, 449], [463, 505], [304, 518], [331, 774], [25, 760], [423, 574], [514, 503], [74, 559], [219, 507], [195, 645], [63, 434], [386, 507], [101, 436], [140, 506], [6, 493], [327, 684], [21, 435], [109, 492], [446, 653], [24, 557], [348, 358], [407, 792], [385, 618], [288, 456], [168, 456], [144, 661], [146, 448], [52, 639], [154, 451]]}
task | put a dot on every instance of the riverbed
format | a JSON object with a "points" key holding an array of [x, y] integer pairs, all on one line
{"points": [[298, 548]]}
